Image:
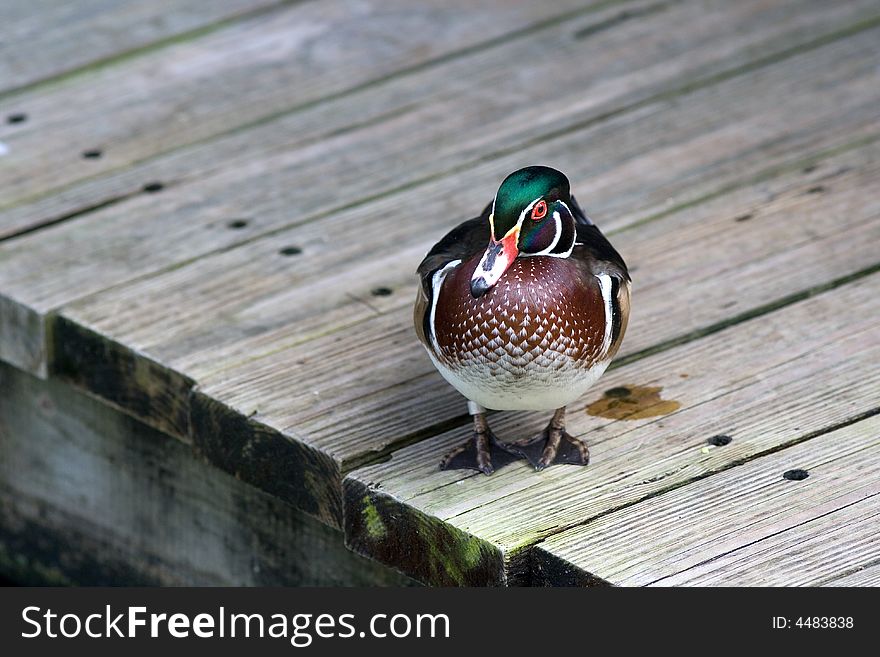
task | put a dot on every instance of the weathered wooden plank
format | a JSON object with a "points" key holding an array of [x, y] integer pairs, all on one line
{"points": [[90, 496], [868, 576], [746, 526], [245, 73], [122, 377], [134, 245], [801, 557], [704, 58], [46, 39], [272, 279], [316, 393], [724, 38], [313, 399], [23, 337], [755, 382], [285, 466]]}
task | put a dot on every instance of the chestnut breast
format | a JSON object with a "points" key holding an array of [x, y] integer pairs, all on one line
{"points": [[543, 315]]}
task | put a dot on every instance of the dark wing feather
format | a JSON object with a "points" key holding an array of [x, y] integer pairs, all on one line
{"points": [[597, 256], [596, 249], [460, 243]]}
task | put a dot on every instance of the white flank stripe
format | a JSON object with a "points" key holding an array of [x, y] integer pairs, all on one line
{"points": [[605, 285], [436, 284]]}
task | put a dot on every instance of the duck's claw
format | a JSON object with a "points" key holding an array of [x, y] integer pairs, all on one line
{"points": [[484, 453], [554, 445]]}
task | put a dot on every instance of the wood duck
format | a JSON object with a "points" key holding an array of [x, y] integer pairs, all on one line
{"points": [[523, 308]]}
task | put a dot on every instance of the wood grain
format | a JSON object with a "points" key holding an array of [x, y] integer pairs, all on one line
{"points": [[89, 496], [316, 392], [867, 576], [440, 113], [46, 39], [747, 526], [755, 381], [244, 306], [244, 73], [73, 250], [805, 556], [315, 395]]}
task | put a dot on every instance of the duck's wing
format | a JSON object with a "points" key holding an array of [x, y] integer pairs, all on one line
{"points": [[597, 258], [594, 248], [461, 243]]}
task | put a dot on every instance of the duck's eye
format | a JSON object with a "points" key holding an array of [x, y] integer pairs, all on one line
{"points": [[539, 211]]}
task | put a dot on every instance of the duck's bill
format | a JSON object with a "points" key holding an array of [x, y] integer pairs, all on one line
{"points": [[499, 255]]}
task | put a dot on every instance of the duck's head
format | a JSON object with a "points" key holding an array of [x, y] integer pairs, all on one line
{"points": [[530, 216]]}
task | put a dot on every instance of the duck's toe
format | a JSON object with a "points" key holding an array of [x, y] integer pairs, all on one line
{"points": [[483, 453], [554, 445]]}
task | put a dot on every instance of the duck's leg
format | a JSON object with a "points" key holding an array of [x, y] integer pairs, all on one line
{"points": [[554, 445], [477, 453]]}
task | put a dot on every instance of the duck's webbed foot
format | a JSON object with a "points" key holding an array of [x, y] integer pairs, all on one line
{"points": [[484, 452], [554, 445]]}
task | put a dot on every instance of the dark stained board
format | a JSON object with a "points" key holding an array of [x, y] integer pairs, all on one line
{"points": [[90, 496]]}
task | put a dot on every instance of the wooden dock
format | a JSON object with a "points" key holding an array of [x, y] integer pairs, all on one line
{"points": [[210, 217]]}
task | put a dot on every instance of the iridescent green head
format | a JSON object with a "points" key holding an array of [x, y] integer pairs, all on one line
{"points": [[531, 216], [521, 190]]}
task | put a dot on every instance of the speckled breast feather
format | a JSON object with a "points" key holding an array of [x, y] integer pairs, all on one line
{"points": [[540, 330]]}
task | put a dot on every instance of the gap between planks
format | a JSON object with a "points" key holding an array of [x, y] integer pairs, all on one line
{"points": [[755, 371], [713, 77], [67, 69], [797, 195], [176, 265], [421, 49], [707, 523]]}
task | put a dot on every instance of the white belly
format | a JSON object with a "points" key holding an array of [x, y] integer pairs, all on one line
{"points": [[514, 389]]}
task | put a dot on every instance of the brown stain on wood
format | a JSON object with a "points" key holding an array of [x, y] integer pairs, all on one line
{"points": [[632, 402]]}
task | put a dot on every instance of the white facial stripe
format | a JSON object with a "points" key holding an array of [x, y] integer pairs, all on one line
{"points": [[558, 219], [566, 253], [528, 209], [547, 252], [436, 284], [605, 285], [574, 241], [492, 216], [519, 222]]}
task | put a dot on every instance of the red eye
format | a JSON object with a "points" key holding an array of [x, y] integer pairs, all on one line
{"points": [[539, 211]]}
